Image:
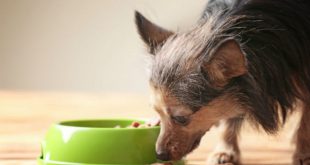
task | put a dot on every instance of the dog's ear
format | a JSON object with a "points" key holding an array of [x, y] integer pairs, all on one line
{"points": [[153, 35], [226, 62]]}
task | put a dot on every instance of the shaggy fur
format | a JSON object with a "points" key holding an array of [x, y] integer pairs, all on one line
{"points": [[274, 38]]}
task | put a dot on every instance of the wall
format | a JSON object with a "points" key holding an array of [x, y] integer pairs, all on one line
{"points": [[81, 45]]}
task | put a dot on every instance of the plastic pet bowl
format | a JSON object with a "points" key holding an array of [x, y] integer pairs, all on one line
{"points": [[97, 142]]}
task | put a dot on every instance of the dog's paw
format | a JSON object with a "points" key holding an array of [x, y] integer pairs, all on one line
{"points": [[301, 159], [223, 158]]}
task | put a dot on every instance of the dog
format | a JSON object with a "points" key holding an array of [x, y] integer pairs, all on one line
{"points": [[243, 60]]}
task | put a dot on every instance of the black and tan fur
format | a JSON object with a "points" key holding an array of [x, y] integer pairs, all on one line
{"points": [[245, 59]]}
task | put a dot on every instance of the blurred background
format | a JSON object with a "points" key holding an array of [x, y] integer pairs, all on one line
{"points": [[82, 45]]}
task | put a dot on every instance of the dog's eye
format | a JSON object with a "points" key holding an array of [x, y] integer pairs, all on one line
{"points": [[183, 120]]}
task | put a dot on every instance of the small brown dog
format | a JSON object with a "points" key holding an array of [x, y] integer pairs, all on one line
{"points": [[245, 59]]}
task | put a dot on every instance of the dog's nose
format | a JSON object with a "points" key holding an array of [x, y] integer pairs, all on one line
{"points": [[164, 156]]}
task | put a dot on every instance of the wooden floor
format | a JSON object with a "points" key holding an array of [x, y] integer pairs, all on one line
{"points": [[25, 117]]}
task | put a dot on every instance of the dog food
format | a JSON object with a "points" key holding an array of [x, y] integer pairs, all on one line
{"points": [[135, 124], [150, 123]]}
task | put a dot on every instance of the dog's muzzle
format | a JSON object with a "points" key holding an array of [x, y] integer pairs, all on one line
{"points": [[162, 155]]}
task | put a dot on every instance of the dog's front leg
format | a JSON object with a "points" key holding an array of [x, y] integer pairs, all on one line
{"points": [[302, 153], [227, 151]]}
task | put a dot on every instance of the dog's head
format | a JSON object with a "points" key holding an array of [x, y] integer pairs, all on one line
{"points": [[192, 84]]}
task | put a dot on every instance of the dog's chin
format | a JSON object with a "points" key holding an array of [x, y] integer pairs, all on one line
{"points": [[195, 144]]}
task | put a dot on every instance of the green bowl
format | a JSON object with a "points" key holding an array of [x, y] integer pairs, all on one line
{"points": [[94, 142]]}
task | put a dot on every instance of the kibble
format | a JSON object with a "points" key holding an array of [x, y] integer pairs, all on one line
{"points": [[147, 124]]}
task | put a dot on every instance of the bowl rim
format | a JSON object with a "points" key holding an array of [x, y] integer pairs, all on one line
{"points": [[62, 124]]}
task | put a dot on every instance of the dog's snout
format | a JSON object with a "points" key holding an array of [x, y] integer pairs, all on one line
{"points": [[162, 155]]}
